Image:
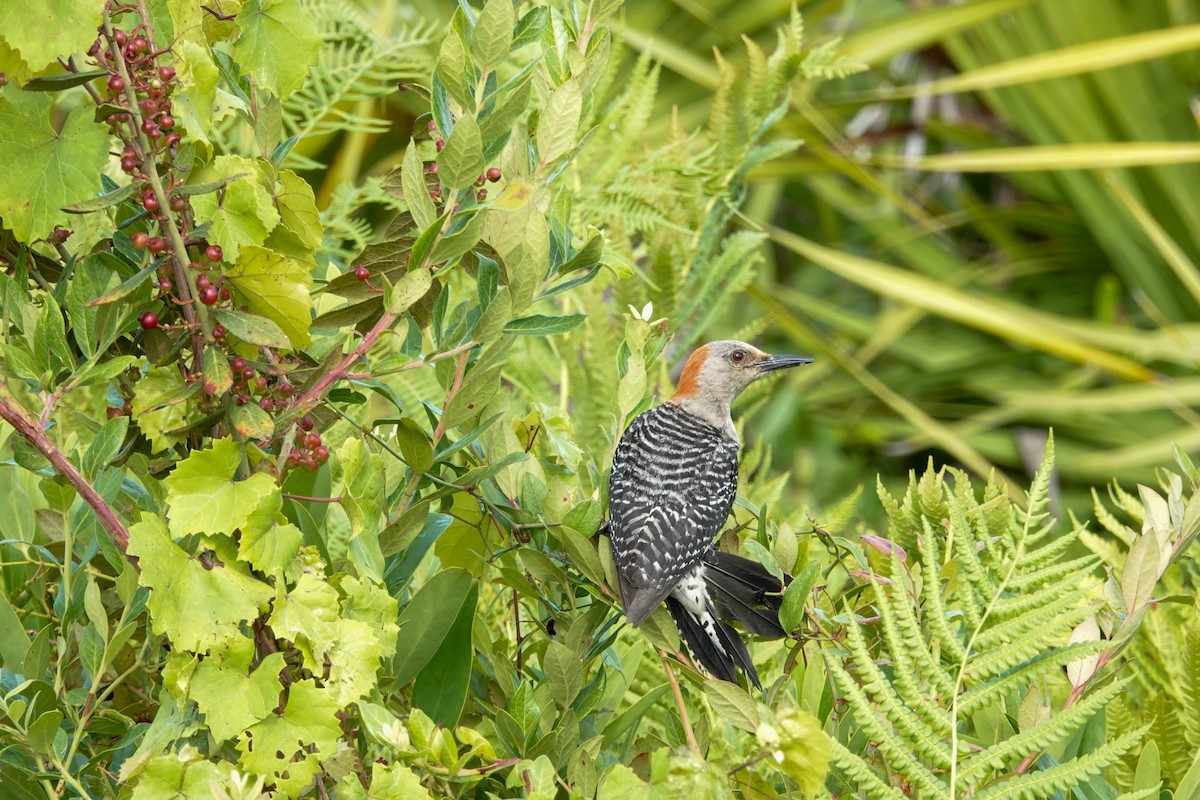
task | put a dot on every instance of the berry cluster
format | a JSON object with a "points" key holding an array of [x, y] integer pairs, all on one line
{"points": [[307, 452], [491, 174]]}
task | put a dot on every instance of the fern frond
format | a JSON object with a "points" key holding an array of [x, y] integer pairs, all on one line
{"points": [[993, 690], [1060, 777], [863, 775]]}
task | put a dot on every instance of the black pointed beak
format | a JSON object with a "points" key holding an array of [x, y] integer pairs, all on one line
{"points": [[773, 363]]}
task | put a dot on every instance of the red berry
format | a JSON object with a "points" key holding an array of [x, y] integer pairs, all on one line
{"points": [[173, 139], [313, 440], [60, 235], [148, 320], [129, 163], [166, 73], [321, 454], [156, 93], [481, 195], [242, 399], [120, 38], [361, 272], [208, 295], [154, 133], [203, 282], [225, 293], [113, 413], [210, 387], [165, 285], [140, 44], [115, 119], [294, 458], [285, 389], [218, 331], [432, 126], [238, 364], [148, 107], [248, 374], [178, 203], [150, 202], [432, 169], [166, 122], [261, 383], [214, 253], [310, 463], [439, 144], [266, 404], [306, 423], [156, 244], [139, 240], [116, 84], [493, 174]]}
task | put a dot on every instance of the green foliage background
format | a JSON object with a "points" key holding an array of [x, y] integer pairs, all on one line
{"points": [[979, 217]]}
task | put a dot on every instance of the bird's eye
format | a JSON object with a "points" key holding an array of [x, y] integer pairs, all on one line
{"points": [[737, 356]]}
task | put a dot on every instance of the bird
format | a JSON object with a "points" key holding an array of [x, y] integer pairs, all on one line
{"points": [[673, 482]]}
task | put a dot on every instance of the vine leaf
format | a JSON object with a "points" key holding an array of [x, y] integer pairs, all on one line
{"points": [[294, 743], [232, 695], [276, 287], [42, 171], [197, 604], [245, 213], [204, 497], [42, 30], [278, 44]]}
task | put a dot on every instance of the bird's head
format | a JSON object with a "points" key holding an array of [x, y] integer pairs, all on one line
{"points": [[718, 372]]}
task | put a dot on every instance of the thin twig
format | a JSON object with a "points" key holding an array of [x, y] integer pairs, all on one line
{"points": [[308, 499], [683, 714], [14, 415]]}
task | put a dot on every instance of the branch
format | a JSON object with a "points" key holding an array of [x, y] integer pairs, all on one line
{"points": [[24, 424], [683, 714]]}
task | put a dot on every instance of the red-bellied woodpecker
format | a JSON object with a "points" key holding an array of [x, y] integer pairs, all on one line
{"points": [[673, 482]]}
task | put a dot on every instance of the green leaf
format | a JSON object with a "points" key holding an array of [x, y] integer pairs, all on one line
{"points": [[42, 170], [582, 554], [253, 328], [298, 209], [162, 404], [493, 34], [416, 194], [252, 422], [105, 446], [196, 604], [243, 214], [289, 748], [106, 200], [451, 68], [441, 687], [409, 289], [204, 497], [277, 43], [791, 610], [559, 122], [427, 619], [271, 550], [276, 287], [129, 285], [564, 672], [414, 445], [541, 325], [233, 696], [217, 371], [731, 704], [362, 488], [461, 161], [43, 30]]}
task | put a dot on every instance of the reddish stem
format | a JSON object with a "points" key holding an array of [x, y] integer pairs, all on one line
{"points": [[14, 415]]}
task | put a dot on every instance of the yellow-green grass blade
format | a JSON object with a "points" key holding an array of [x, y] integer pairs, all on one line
{"points": [[1039, 158], [1073, 60], [1035, 329], [908, 32]]}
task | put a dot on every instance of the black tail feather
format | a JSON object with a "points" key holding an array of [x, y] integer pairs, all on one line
{"points": [[722, 665], [746, 591]]}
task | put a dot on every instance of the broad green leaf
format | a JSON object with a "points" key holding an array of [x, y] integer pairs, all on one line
{"points": [[193, 103], [731, 704], [393, 781], [1140, 573], [253, 328], [276, 287], [42, 170], [105, 446], [791, 610], [231, 694], [217, 371], [294, 743], [409, 289], [559, 122], [362, 490], [252, 422], [493, 34], [461, 162], [271, 550], [277, 44], [564, 672], [181, 774], [244, 213], [541, 325], [441, 687], [162, 403], [298, 208], [14, 642], [414, 445], [43, 30], [204, 497], [426, 620], [451, 70], [416, 194], [582, 554], [198, 605]]}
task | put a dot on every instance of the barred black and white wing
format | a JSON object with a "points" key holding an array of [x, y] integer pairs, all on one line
{"points": [[673, 483]]}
